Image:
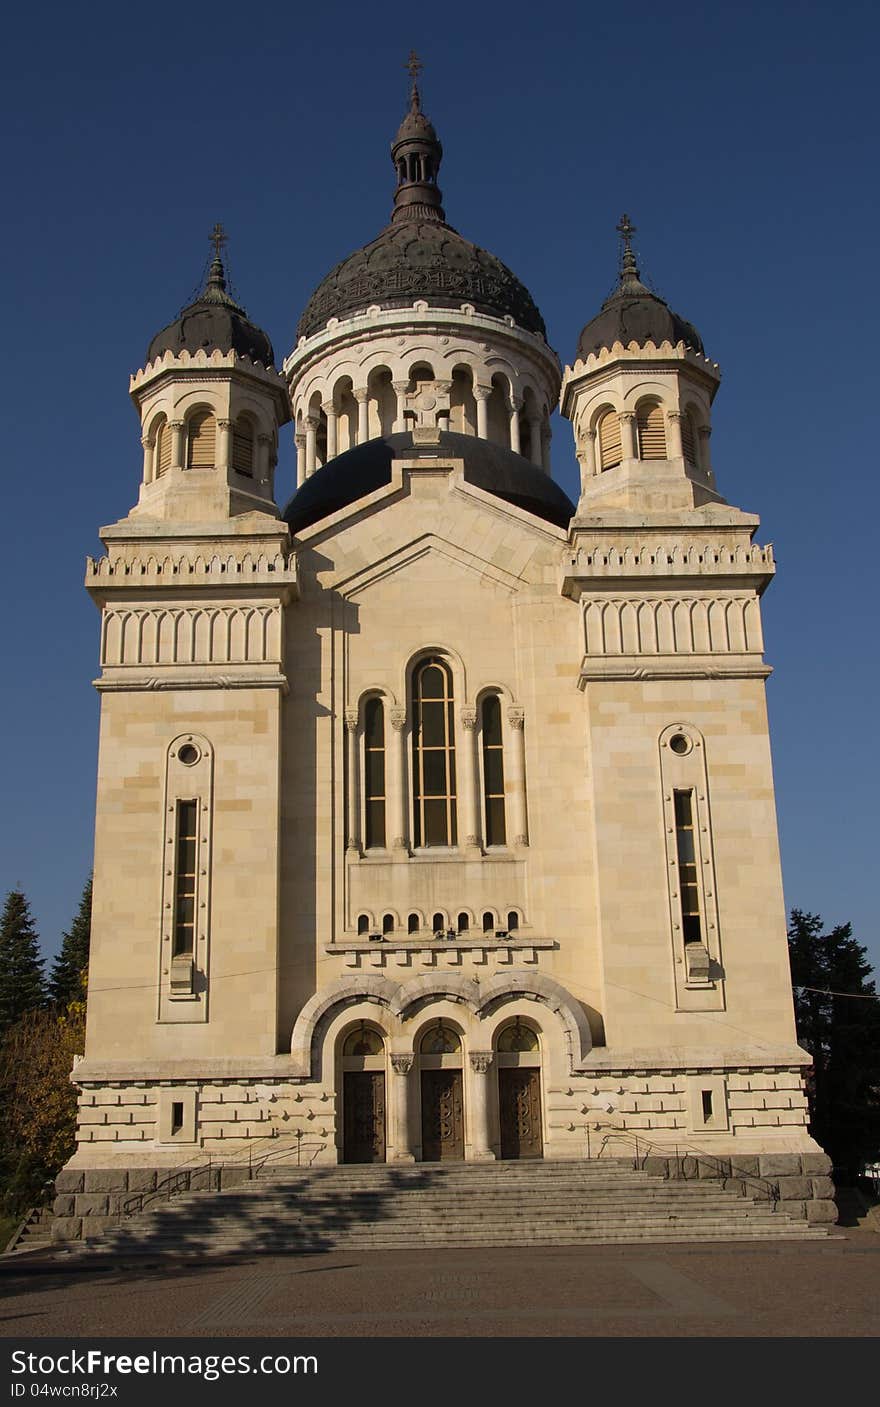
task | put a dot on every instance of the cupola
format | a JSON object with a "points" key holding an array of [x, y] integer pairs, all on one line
{"points": [[639, 396], [211, 404]]}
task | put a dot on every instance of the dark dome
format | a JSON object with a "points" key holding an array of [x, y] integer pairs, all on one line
{"points": [[361, 471], [214, 322], [636, 317], [421, 259]]}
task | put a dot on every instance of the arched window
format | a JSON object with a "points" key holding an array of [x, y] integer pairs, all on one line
{"points": [[464, 923], [434, 820], [512, 921], [651, 430], [438, 924], [363, 924], [488, 921], [387, 924], [201, 437], [412, 923], [243, 446], [689, 439], [162, 449], [364, 1041], [517, 1039], [440, 1040], [493, 770], [374, 774], [610, 445]]}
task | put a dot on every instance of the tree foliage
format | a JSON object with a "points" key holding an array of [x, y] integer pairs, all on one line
{"points": [[68, 971], [37, 1100], [838, 1022], [22, 984]]}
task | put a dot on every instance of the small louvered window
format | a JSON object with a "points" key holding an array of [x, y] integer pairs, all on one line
{"points": [[610, 448], [163, 449], [652, 432], [689, 440], [243, 446], [201, 438]]}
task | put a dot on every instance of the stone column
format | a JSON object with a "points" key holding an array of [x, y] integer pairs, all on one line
{"points": [[353, 807], [264, 458], [400, 389], [400, 807], [330, 411], [177, 445], [311, 444], [481, 396], [515, 407], [224, 445], [299, 440], [628, 446], [674, 446], [363, 430], [481, 1064], [535, 452], [443, 389], [400, 1137], [517, 777], [149, 466], [470, 829], [586, 457], [546, 437]]}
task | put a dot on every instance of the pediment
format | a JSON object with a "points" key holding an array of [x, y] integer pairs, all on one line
{"points": [[418, 561]]}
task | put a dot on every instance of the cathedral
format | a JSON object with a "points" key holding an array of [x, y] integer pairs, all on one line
{"points": [[435, 812]]}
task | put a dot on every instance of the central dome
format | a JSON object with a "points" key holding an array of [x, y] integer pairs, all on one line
{"points": [[419, 256], [421, 259]]}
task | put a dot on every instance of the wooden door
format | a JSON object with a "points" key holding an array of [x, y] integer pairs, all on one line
{"points": [[442, 1116], [363, 1116], [519, 1098]]}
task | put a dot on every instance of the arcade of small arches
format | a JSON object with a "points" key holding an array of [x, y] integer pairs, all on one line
{"points": [[201, 440], [441, 776], [650, 430], [443, 924], [339, 414]]}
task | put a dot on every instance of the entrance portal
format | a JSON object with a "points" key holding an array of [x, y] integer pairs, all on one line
{"points": [[442, 1120], [519, 1099], [363, 1097]]}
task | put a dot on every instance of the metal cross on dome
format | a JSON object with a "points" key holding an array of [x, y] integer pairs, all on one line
{"points": [[626, 229], [414, 65], [218, 237]]}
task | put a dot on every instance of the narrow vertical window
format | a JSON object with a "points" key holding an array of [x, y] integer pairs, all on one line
{"points": [[434, 821], [201, 440], [651, 432], [243, 446], [374, 774], [162, 449], [688, 878], [185, 878], [610, 443], [689, 439], [493, 770]]}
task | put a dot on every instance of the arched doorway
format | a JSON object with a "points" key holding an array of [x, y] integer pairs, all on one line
{"points": [[363, 1096], [440, 1061], [518, 1058]]}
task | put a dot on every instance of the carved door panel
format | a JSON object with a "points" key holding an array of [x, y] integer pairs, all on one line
{"points": [[442, 1116], [363, 1116], [519, 1098]]}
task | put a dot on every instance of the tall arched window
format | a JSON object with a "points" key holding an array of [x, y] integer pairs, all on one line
{"points": [[243, 446], [493, 770], [651, 429], [201, 436], [689, 439], [374, 774], [162, 449], [434, 820], [610, 445]]}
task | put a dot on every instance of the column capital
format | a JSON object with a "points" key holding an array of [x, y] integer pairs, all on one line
{"points": [[516, 718], [590, 433], [299, 439], [401, 387], [675, 415], [402, 1064], [360, 394], [312, 422], [468, 718], [224, 424], [627, 416], [176, 424], [148, 441], [351, 719], [482, 393], [442, 387], [263, 438], [398, 718], [328, 408], [515, 404], [704, 430], [481, 1060]]}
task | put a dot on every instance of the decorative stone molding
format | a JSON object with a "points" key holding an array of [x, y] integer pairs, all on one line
{"points": [[352, 719], [481, 1061], [398, 718], [516, 718], [146, 637], [175, 567], [672, 625], [402, 1064], [468, 718]]}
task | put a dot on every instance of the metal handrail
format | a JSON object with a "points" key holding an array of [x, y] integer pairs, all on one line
{"points": [[180, 1179], [768, 1189]]}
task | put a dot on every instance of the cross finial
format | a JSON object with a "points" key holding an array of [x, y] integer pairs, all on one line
{"points": [[218, 237], [626, 229], [414, 65]]}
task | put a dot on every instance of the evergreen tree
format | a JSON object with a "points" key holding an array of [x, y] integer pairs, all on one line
{"points": [[67, 977], [838, 1022], [22, 984]]}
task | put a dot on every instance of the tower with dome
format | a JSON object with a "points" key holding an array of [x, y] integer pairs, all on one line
{"points": [[435, 816]]}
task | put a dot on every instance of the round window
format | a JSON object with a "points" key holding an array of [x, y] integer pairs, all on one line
{"points": [[188, 754], [680, 744]]}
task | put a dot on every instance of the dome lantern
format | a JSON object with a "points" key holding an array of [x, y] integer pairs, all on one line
{"points": [[416, 153]]}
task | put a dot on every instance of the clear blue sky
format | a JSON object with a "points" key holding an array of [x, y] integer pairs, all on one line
{"points": [[741, 139]]}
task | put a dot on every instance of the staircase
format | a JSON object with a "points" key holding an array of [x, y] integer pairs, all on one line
{"points": [[34, 1233], [425, 1205]]}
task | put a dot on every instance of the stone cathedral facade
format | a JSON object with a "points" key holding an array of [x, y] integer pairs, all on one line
{"points": [[435, 813]]}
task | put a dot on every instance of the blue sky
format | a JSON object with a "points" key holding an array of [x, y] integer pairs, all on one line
{"points": [[741, 139]]}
